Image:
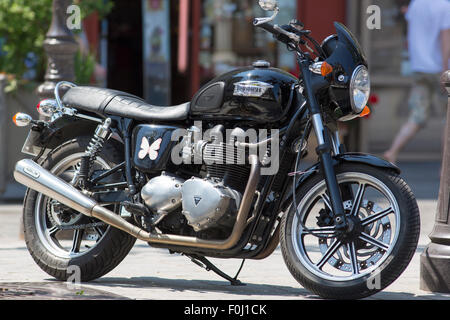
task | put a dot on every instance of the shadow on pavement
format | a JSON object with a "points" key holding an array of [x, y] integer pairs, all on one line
{"points": [[202, 286], [386, 295]]}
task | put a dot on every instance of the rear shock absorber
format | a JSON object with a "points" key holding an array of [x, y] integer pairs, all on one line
{"points": [[94, 148]]}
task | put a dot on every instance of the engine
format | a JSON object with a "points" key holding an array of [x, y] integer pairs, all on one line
{"points": [[208, 201]]}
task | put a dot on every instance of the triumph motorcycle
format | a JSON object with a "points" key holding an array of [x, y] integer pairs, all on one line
{"points": [[220, 176]]}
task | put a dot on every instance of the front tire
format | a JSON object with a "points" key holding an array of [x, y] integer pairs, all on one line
{"points": [[386, 227], [96, 250]]}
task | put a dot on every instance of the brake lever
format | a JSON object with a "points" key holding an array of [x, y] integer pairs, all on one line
{"points": [[297, 24]]}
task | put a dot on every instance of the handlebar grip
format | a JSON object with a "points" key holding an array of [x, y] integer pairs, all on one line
{"points": [[270, 28]]}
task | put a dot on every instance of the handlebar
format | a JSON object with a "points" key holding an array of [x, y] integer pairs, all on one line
{"points": [[268, 27], [286, 33], [291, 35]]}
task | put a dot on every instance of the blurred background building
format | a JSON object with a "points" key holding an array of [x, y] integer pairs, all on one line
{"points": [[164, 51]]}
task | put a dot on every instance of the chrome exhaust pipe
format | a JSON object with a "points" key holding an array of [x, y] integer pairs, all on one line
{"points": [[33, 176]]}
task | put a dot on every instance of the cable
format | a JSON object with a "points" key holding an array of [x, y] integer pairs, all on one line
{"points": [[297, 163]]}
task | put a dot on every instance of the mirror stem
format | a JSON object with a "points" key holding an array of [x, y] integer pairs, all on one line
{"points": [[259, 21]]}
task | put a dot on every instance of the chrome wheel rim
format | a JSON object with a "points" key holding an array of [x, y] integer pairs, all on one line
{"points": [[331, 257], [67, 243]]}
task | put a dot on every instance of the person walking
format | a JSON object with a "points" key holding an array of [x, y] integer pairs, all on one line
{"points": [[429, 50]]}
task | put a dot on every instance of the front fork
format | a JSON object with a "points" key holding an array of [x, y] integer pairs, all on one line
{"points": [[313, 83], [326, 145]]}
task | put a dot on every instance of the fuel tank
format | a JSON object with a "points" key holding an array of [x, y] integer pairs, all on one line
{"points": [[258, 93]]}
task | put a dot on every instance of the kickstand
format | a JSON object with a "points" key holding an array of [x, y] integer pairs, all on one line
{"points": [[206, 264]]}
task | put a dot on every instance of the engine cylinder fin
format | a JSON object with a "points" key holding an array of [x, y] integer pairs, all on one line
{"points": [[227, 162], [222, 153]]}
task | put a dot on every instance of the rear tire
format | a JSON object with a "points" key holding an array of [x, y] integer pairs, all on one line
{"points": [[309, 270], [111, 247]]}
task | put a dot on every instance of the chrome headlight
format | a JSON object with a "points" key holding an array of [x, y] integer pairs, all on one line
{"points": [[359, 89]]}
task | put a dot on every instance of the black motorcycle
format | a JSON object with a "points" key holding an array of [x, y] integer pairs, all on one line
{"points": [[219, 176]]}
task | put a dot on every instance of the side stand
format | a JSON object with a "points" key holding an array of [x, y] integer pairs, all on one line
{"points": [[208, 266]]}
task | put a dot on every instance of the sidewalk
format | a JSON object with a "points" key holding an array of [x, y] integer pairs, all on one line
{"points": [[149, 273]]}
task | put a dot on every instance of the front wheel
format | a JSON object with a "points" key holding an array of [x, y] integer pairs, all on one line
{"points": [[384, 230]]}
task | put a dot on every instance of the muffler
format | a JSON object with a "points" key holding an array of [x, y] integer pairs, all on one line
{"points": [[33, 176]]}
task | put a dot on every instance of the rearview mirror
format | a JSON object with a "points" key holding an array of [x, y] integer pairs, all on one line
{"points": [[268, 5]]}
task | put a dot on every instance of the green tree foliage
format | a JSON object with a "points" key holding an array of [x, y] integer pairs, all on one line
{"points": [[23, 25], [84, 68]]}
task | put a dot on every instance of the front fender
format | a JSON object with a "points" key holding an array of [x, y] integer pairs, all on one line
{"points": [[368, 159], [352, 157]]}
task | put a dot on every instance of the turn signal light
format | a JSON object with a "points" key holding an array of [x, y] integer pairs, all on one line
{"points": [[366, 111], [323, 68], [326, 69], [22, 119]]}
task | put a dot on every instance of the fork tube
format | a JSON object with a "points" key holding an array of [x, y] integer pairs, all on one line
{"points": [[313, 83], [324, 152]]}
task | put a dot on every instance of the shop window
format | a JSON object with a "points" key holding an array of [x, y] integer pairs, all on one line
{"points": [[229, 39]]}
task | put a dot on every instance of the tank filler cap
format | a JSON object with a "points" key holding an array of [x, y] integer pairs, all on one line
{"points": [[261, 64]]}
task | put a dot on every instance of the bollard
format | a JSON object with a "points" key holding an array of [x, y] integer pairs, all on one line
{"points": [[3, 141], [60, 46], [435, 260]]}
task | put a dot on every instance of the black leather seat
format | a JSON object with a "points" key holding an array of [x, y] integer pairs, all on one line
{"points": [[118, 103]]}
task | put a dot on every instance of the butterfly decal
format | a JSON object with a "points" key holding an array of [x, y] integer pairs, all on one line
{"points": [[151, 150]]}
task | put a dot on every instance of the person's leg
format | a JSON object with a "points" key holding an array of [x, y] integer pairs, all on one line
{"points": [[419, 103], [407, 132]]}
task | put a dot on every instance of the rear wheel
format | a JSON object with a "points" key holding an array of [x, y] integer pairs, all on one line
{"points": [[384, 219], [58, 237]]}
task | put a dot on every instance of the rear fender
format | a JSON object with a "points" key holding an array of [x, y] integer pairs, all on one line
{"points": [[64, 129]]}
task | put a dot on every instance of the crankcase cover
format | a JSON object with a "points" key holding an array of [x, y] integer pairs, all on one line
{"points": [[206, 202], [162, 194]]}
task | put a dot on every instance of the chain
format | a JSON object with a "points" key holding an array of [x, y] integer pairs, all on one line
{"points": [[81, 226], [74, 227]]}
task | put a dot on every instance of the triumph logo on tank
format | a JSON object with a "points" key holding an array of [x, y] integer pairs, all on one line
{"points": [[254, 89]]}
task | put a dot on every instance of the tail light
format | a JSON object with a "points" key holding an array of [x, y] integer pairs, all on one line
{"points": [[47, 107]]}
